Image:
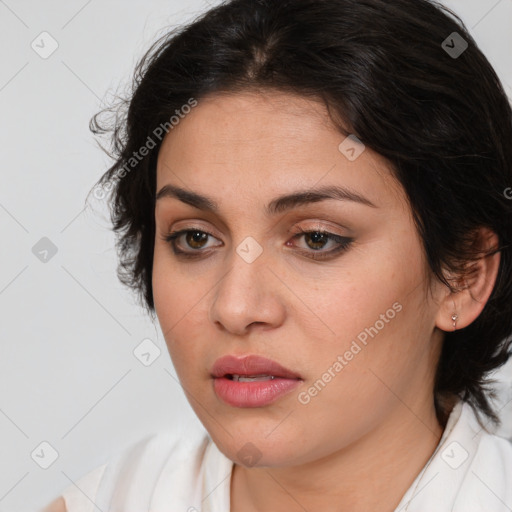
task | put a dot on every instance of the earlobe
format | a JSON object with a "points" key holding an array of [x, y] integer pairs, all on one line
{"points": [[461, 307]]}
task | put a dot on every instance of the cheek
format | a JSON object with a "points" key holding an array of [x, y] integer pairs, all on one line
{"points": [[173, 292], [174, 301], [357, 300], [163, 282], [349, 380], [371, 314]]}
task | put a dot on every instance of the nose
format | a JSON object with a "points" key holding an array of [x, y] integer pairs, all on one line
{"points": [[248, 296]]}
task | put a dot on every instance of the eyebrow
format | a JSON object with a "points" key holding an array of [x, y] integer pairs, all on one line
{"points": [[277, 205]]}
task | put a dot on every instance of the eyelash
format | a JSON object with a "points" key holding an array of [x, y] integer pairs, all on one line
{"points": [[343, 243]]}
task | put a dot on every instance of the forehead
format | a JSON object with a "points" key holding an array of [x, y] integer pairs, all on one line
{"points": [[222, 125], [266, 142]]}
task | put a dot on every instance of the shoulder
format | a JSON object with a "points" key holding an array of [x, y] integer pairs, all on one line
{"points": [[492, 451], [493, 463], [72, 498], [59, 505], [75, 497], [132, 474], [486, 484]]}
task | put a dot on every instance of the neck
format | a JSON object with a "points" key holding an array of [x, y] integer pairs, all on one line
{"points": [[371, 474]]}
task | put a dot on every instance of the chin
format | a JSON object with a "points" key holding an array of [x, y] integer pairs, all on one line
{"points": [[252, 448]]}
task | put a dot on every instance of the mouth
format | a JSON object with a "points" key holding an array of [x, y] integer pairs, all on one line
{"points": [[250, 367], [249, 378], [251, 381]]}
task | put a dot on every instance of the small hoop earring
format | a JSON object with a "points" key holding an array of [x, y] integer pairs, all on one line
{"points": [[454, 320]]}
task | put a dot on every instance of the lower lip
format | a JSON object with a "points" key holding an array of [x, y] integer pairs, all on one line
{"points": [[252, 394]]}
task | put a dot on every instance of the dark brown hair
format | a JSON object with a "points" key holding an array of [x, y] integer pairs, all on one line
{"points": [[396, 75]]}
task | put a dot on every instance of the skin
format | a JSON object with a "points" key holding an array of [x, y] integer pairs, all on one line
{"points": [[359, 443], [58, 505]]}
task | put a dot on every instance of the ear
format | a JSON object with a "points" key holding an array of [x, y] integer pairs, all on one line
{"points": [[474, 289]]}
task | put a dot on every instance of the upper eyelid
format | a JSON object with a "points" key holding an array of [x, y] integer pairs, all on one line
{"points": [[318, 225], [294, 232], [307, 214]]}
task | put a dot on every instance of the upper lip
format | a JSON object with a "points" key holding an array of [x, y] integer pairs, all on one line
{"points": [[250, 365]]}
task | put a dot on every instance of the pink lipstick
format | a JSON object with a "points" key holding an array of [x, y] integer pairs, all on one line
{"points": [[251, 381]]}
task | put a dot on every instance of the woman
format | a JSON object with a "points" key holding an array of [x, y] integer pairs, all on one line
{"points": [[311, 197]]}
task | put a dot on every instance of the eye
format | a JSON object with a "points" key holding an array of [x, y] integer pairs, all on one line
{"points": [[318, 239], [194, 238]]}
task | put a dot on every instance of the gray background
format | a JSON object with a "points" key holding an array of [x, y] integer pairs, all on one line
{"points": [[68, 329]]}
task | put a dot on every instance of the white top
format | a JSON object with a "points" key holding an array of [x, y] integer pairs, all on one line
{"points": [[470, 471]]}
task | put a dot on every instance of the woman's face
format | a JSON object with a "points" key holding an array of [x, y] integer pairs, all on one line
{"points": [[349, 316]]}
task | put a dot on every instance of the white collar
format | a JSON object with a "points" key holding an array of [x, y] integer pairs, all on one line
{"points": [[469, 471]]}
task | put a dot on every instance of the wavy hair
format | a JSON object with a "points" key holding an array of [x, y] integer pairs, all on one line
{"points": [[388, 72]]}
